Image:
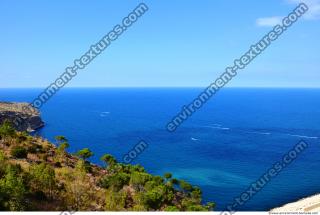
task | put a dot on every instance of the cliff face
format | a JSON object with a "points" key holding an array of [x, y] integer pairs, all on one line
{"points": [[22, 115]]}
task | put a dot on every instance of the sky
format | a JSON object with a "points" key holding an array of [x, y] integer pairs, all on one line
{"points": [[179, 43]]}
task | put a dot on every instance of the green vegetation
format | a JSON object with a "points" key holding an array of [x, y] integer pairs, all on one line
{"points": [[85, 153], [37, 175], [19, 152], [62, 143], [109, 160], [6, 130], [167, 175]]}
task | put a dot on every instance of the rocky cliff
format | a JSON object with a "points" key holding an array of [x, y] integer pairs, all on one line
{"points": [[22, 115]]}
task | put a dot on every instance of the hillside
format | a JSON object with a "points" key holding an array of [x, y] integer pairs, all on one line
{"points": [[38, 175], [25, 117]]}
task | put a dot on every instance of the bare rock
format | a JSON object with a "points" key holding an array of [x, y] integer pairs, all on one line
{"points": [[23, 116]]}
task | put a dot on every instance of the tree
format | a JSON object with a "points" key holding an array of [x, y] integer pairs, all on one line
{"points": [[137, 168], [167, 175], [108, 159], [61, 139], [154, 198], [62, 143], [115, 182], [61, 152], [158, 179], [63, 146], [7, 130], [12, 190], [174, 181], [190, 205], [211, 206], [196, 194], [85, 153], [78, 191], [185, 186], [139, 179], [150, 185], [43, 178]]}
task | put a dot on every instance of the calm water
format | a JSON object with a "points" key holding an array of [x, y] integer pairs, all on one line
{"points": [[223, 148]]}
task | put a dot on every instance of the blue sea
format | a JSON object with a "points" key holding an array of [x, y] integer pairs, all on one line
{"points": [[224, 147]]}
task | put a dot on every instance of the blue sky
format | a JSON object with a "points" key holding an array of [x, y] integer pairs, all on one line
{"points": [[176, 43]]}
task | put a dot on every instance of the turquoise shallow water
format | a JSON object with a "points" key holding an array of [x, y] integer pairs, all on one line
{"points": [[223, 148]]}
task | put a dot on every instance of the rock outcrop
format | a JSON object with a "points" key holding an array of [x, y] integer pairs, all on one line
{"points": [[23, 116]]}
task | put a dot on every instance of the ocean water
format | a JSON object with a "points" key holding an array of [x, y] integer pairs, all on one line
{"points": [[224, 147]]}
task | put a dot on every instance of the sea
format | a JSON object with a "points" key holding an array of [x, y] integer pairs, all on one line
{"points": [[228, 144]]}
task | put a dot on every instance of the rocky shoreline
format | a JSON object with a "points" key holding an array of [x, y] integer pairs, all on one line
{"points": [[22, 115]]}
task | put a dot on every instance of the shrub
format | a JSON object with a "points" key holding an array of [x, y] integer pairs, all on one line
{"points": [[83, 166], [157, 179], [150, 185], [85, 153], [35, 148], [7, 130], [43, 178], [185, 186], [39, 195], [115, 182], [153, 199], [108, 159], [139, 179], [13, 190], [174, 181], [63, 146], [2, 156], [171, 208], [57, 164], [61, 139], [43, 157], [87, 166], [138, 168], [22, 137], [19, 152], [210, 206], [196, 194], [115, 201], [196, 208], [168, 175]]}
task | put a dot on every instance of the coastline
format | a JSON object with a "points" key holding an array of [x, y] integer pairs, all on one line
{"points": [[38, 175], [308, 204], [23, 116], [88, 108]]}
